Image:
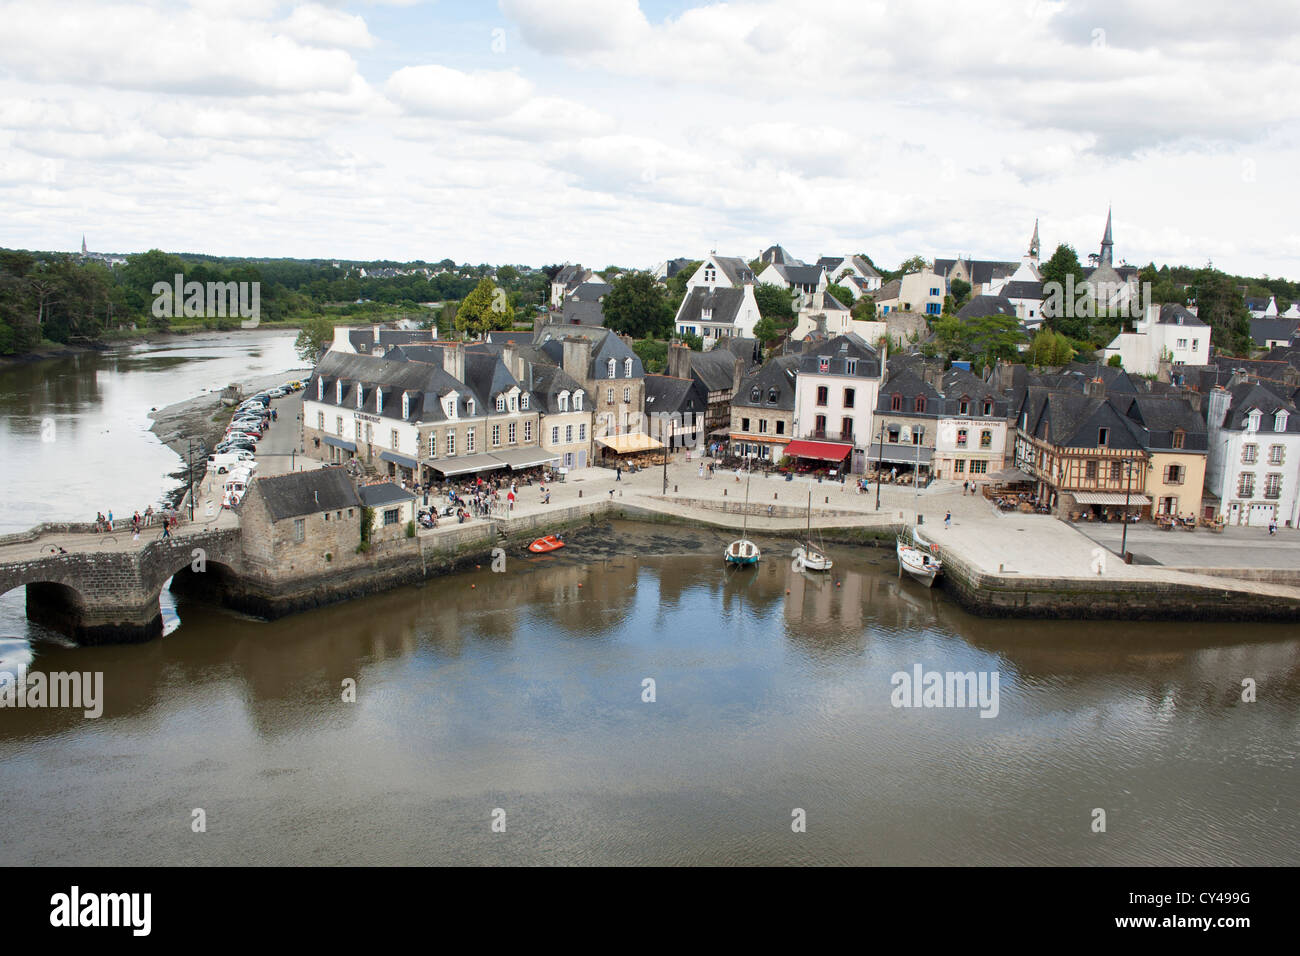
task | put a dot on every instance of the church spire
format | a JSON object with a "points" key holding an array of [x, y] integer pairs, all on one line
{"points": [[83, 243], [1033, 243], [1106, 242]]}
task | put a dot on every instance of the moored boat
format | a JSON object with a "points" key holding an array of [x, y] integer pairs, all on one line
{"points": [[807, 556], [918, 559], [742, 552], [551, 542]]}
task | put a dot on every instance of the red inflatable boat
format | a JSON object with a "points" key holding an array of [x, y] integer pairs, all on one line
{"points": [[549, 543]]}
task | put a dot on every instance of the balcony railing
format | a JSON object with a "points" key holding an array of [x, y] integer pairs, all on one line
{"points": [[832, 436]]}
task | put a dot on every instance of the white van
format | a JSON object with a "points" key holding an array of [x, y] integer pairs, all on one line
{"points": [[232, 459], [233, 490]]}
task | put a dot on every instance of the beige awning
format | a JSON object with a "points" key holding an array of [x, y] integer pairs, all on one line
{"points": [[626, 444], [519, 458], [1108, 498], [464, 465]]}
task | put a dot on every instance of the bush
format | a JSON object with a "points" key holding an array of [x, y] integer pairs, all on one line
{"points": [[1114, 362], [410, 529]]}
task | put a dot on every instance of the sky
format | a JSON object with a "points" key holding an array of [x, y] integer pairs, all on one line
{"points": [[616, 132]]}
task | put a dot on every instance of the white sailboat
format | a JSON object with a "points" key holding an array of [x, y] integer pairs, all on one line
{"points": [[808, 557], [742, 552], [918, 557]]}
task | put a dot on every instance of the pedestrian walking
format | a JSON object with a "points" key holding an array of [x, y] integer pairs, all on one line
{"points": [[110, 520], [510, 501], [167, 531], [618, 473], [965, 487], [947, 520], [1272, 526], [701, 469], [148, 515]]}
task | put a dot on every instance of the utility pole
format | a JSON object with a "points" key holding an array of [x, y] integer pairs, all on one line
{"points": [[1128, 485], [189, 460], [880, 444]]}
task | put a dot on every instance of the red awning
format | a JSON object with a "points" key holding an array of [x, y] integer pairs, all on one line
{"points": [[821, 450]]}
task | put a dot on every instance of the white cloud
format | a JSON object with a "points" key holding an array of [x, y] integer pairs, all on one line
{"points": [[321, 26], [434, 90]]}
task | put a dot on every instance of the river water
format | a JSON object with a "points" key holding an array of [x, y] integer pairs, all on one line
{"points": [[520, 697]]}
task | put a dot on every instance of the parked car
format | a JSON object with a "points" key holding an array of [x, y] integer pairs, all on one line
{"points": [[277, 392], [236, 444], [232, 462]]}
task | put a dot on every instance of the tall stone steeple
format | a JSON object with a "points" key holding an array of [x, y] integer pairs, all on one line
{"points": [[1033, 244], [1106, 242]]}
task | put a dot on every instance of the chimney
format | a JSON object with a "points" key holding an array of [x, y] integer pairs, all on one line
{"points": [[514, 361], [679, 361], [1217, 407], [376, 333], [577, 359], [453, 360], [1095, 388], [737, 372], [1195, 399]]}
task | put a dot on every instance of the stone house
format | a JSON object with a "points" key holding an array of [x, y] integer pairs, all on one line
{"points": [[762, 411], [394, 508], [603, 364], [304, 520]]}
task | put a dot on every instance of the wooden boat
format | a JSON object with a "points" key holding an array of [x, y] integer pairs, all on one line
{"points": [[742, 552], [918, 559], [549, 543], [809, 557]]}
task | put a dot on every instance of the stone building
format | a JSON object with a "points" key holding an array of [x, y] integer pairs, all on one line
{"points": [[394, 508], [762, 413], [609, 372], [302, 521]]}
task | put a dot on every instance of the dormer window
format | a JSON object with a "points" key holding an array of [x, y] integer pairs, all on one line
{"points": [[379, 401], [1279, 420], [469, 407], [1180, 437], [920, 404], [338, 392], [523, 401], [514, 403], [1103, 434], [706, 315], [406, 405], [771, 396], [963, 405], [360, 396], [1252, 420], [613, 368], [823, 364], [896, 402], [451, 408], [851, 367], [577, 401], [988, 408], [627, 368], [563, 398], [320, 389], [754, 394], [501, 403]]}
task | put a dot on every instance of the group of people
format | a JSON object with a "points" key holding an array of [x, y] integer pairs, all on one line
{"points": [[139, 520]]}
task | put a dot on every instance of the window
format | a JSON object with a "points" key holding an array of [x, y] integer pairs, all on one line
{"points": [[1116, 470], [299, 529], [528, 431], [1273, 485], [613, 368], [627, 368], [820, 424], [896, 402], [582, 432], [849, 396], [771, 396], [963, 405], [823, 395], [320, 389], [706, 315], [392, 439], [1196, 344], [451, 443], [919, 404], [514, 403], [710, 275], [744, 424], [320, 420], [433, 445], [1180, 437], [959, 466], [1090, 469], [1249, 454], [754, 394], [986, 439], [932, 308], [338, 392], [780, 427], [846, 428], [451, 408], [934, 292], [823, 364], [496, 436], [1246, 485], [1181, 344], [360, 396], [469, 407], [1252, 421], [469, 440], [627, 393], [358, 430], [893, 434], [568, 433], [1276, 454], [555, 434], [609, 396], [577, 401], [1279, 421], [1103, 434], [979, 467], [563, 399], [392, 516], [511, 433], [961, 438], [501, 403], [523, 401], [406, 405], [1173, 474], [762, 426], [851, 367]]}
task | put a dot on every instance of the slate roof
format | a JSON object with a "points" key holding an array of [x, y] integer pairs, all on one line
{"points": [[383, 493], [582, 312], [665, 394], [1158, 419], [571, 276], [1072, 419], [840, 350], [714, 369], [800, 274], [747, 350], [779, 374], [890, 290], [605, 345], [981, 271], [1265, 330], [725, 304], [1022, 290], [507, 337], [833, 264], [778, 256], [735, 269], [982, 305], [910, 385], [363, 340], [424, 379], [545, 382], [590, 291], [301, 493], [1250, 395], [1171, 313]]}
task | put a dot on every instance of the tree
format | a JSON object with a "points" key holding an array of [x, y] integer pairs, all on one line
{"points": [[775, 302], [842, 294], [693, 342], [486, 308], [1115, 362], [1063, 271], [315, 334], [1219, 304], [653, 354], [917, 263], [960, 289], [768, 331], [1048, 348], [636, 306], [864, 310]]}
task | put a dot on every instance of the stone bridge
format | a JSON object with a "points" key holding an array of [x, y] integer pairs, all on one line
{"points": [[105, 588]]}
